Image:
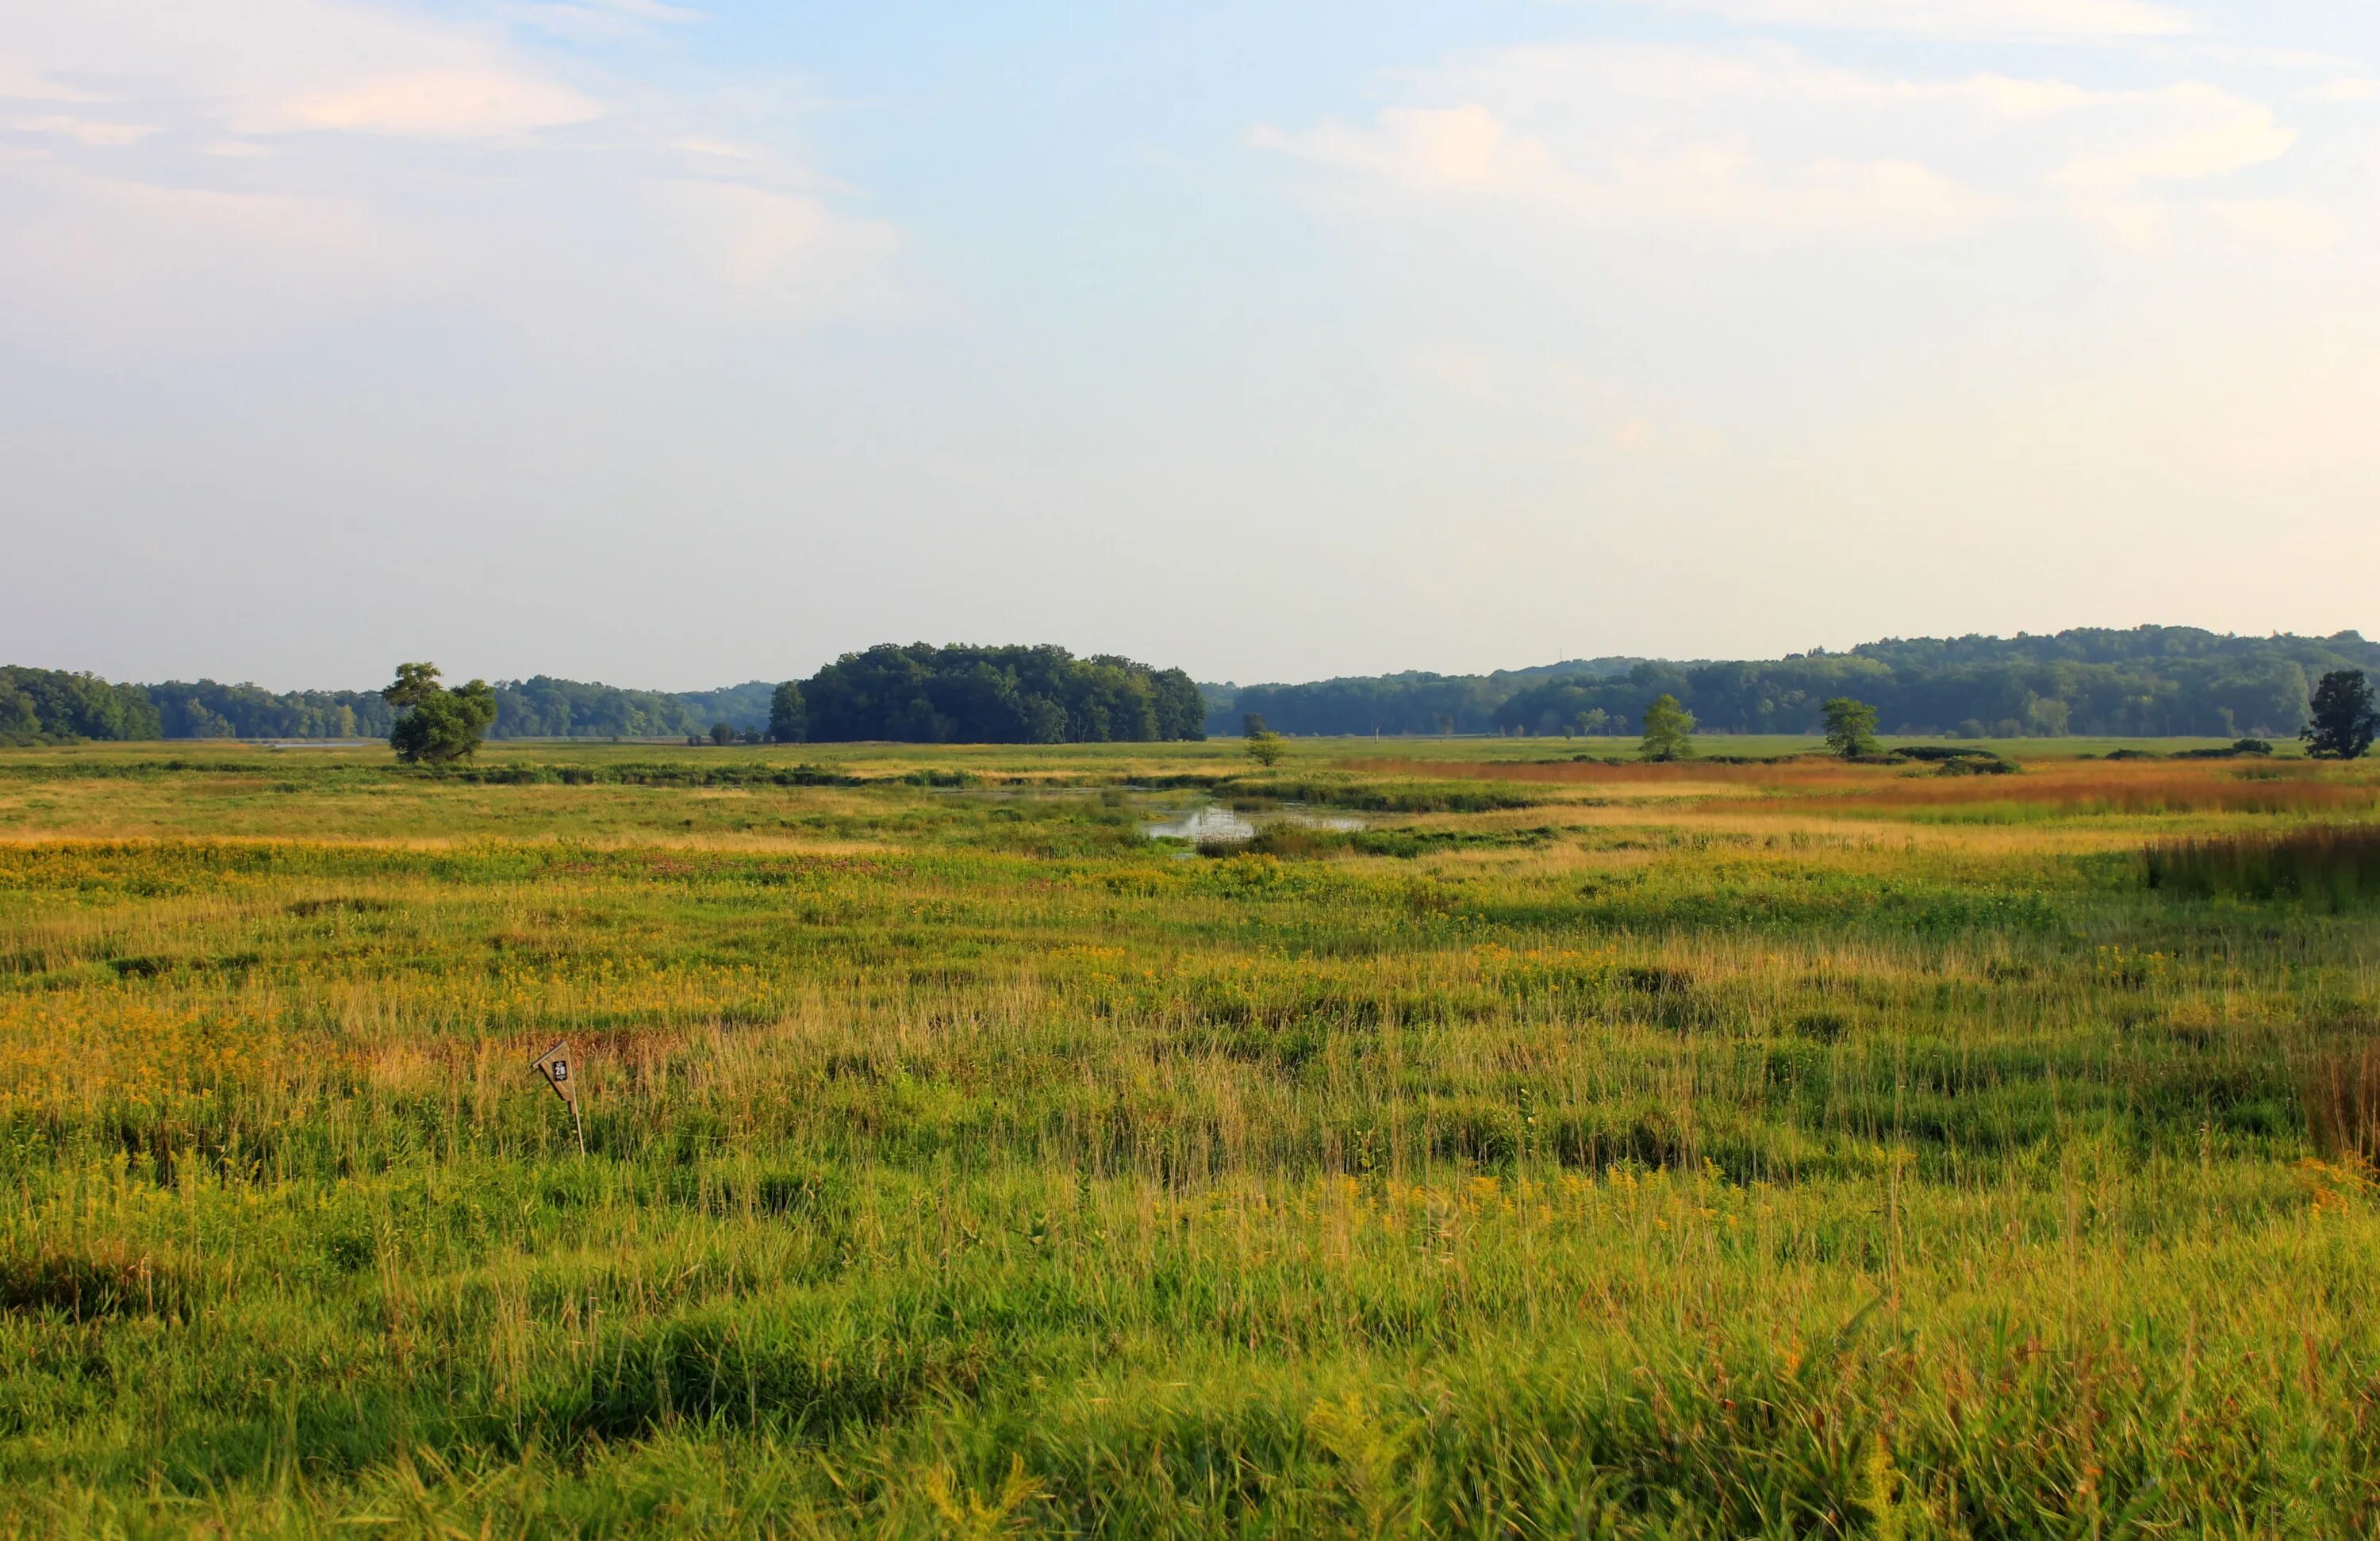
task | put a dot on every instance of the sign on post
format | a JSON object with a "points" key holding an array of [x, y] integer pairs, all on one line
{"points": [[556, 1065]]}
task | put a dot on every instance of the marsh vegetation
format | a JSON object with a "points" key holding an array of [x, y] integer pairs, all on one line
{"points": [[1574, 1149]]}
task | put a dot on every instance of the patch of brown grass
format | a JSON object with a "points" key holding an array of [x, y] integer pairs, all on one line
{"points": [[2098, 787]]}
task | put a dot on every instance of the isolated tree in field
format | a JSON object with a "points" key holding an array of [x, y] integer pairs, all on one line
{"points": [[722, 733], [416, 683], [789, 721], [1669, 729], [2343, 717], [1266, 747], [435, 725], [1850, 727]]}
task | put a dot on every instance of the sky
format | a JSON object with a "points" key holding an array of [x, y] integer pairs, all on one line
{"points": [[673, 344]]}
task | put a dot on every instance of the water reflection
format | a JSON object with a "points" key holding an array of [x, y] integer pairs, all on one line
{"points": [[1216, 821]]}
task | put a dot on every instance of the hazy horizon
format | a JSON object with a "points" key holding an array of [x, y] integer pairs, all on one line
{"points": [[1679, 660], [636, 342]]}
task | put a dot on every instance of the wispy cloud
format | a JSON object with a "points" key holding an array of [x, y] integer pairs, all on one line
{"points": [[600, 21], [2145, 143], [2185, 133], [2356, 88], [1469, 151], [88, 131], [21, 81], [467, 104], [369, 156], [1965, 19], [1765, 137]]}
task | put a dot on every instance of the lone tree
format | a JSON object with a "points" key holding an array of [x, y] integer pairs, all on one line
{"points": [[789, 721], [1850, 727], [1669, 729], [1266, 747], [435, 725], [2344, 719]]}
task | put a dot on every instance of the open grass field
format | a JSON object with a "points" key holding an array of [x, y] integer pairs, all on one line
{"points": [[1572, 1151]]}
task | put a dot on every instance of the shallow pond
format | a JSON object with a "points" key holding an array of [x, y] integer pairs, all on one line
{"points": [[1218, 822]]}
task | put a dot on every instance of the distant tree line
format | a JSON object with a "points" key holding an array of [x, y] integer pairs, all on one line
{"points": [[744, 708], [916, 694], [543, 707], [2149, 681], [921, 694], [203, 708], [40, 706]]}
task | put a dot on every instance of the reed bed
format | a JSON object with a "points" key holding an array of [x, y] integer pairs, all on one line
{"points": [[2332, 866]]}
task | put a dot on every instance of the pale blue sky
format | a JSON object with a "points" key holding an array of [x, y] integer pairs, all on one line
{"points": [[670, 344]]}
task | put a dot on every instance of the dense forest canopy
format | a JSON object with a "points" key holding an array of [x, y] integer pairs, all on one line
{"points": [[38, 705], [2148, 680], [1017, 694]]}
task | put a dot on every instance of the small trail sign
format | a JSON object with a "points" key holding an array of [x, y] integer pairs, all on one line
{"points": [[561, 1072]]}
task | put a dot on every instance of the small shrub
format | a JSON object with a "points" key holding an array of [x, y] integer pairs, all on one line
{"points": [[1293, 841], [2243, 749]]}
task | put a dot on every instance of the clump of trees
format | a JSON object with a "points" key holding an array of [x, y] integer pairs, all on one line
{"points": [[1850, 727], [922, 694], [1669, 729], [435, 725], [2342, 718]]}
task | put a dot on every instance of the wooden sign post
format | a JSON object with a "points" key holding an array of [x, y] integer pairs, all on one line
{"points": [[560, 1074]]}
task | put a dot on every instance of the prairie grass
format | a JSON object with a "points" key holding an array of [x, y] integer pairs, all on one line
{"points": [[2332, 865], [2087, 790], [1778, 1161]]}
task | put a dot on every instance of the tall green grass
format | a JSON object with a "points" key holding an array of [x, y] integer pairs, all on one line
{"points": [[2328, 866], [964, 1164]]}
